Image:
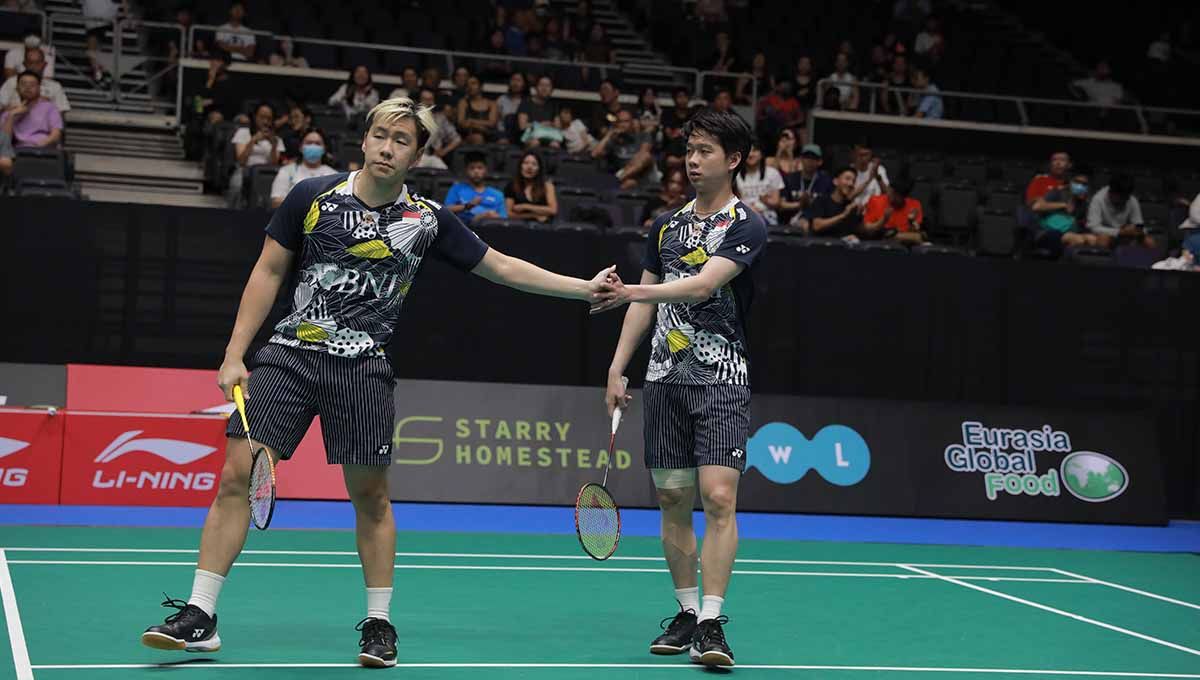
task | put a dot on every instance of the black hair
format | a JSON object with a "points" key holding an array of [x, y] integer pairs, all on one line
{"points": [[324, 143], [1121, 183], [728, 128], [35, 74], [902, 186], [474, 157], [845, 168]]}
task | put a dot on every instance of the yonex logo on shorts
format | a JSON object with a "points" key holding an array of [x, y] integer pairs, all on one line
{"points": [[736, 452]]}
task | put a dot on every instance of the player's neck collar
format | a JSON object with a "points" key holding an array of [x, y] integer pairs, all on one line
{"points": [[402, 199], [728, 207]]}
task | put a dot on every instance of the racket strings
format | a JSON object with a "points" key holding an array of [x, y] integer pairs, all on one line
{"points": [[598, 522], [261, 489]]}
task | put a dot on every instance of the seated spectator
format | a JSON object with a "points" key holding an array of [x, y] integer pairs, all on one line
{"points": [[761, 78], [576, 137], [14, 59], [431, 77], [805, 84], [1100, 88], [7, 153], [837, 215], [649, 115], [495, 68], [410, 85], [560, 44], [536, 115], [671, 196], [263, 147], [880, 68], [100, 15], [35, 62], [458, 84], [357, 95], [606, 114], [760, 185], [598, 49], [627, 152], [722, 100], [311, 163], [802, 188], [234, 37], [509, 104], [1115, 216], [1061, 212], [530, 196], [674, 146], [473, 199], [1057, 176], [898, 78], [219, 100], [785, 159], [1190, 229], [445, 138], [724, 57], [930, 41], [778, 110], [895, 216], [299, 121], [287, 54], [478, 117], [845, 83], [927, 104], [872, 177], [33, 122]]}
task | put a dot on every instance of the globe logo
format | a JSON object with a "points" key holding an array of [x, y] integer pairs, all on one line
{"points": [[1093, 477]]}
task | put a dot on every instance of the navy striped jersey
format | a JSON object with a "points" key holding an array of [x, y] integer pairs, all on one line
{"points": [[357, 263]]}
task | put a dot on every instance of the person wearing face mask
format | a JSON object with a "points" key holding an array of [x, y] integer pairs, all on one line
{"points": [[1061, 211], [311, 163]]}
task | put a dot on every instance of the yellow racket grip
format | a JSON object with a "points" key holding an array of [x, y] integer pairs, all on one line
{"points": [[240, 400]]}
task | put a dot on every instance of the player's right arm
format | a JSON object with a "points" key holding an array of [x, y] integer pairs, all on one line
{"points": [[265, 280], [639, 319], [285, 233]]}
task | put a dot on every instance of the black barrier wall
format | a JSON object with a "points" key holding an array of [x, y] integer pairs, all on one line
{"points": [[155, 285]]}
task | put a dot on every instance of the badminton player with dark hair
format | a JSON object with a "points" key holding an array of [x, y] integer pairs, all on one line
{"points": [[695, 292], [358, 241]]}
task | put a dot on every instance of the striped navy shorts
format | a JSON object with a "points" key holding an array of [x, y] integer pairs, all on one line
{"points": [[692, 425], [354, 398]]}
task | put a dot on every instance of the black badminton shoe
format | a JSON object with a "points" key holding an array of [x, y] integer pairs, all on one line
{"points": [[378, 643], [188, 629], [709, 646], [677, 635]]}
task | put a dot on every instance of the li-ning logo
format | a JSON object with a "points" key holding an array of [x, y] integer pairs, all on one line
{"points": [[173, 450], [12, 477]]}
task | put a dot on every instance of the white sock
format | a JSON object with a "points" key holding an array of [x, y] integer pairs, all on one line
{"points": [[379, 603], [711, 608], [206, 588], [688, 598]]}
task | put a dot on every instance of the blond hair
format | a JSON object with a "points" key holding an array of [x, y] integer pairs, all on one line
{"points": [[391, 111]]}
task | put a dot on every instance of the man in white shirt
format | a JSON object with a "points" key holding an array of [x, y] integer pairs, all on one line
{"points": [[1115, 216], [871, 178], [1190, 229], [14, 59], [845, 82], [1101, 88], [235, 37], [35, 60]]}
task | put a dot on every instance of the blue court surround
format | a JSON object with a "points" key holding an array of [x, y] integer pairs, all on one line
{"points": [[1178, 536]]}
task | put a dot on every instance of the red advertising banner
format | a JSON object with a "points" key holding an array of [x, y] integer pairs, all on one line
{"points": [[141, 459], [31, 443], [180, 391]]}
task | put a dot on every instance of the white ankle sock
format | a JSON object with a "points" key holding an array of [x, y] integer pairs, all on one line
{"points": [[688, 598], [379, 603], [206, 588], [711, 608]]}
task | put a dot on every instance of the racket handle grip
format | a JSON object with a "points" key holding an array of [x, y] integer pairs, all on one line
{"points": [[616, 417], [240, 400]]}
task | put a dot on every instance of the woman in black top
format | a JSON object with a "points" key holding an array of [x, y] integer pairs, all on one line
{"points": [[530, 196], [478, 116]]}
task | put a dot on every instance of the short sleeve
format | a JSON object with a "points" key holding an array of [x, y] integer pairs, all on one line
{"points": [[651, 259], [279, 187], [287, 224], [501, 205], [55, 118], [875, 208], [241, 136], [453, 196], [774, 179], [457, 244], [746, 239]]}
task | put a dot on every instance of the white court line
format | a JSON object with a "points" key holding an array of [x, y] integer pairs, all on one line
{"points": [[517, 556], [1118, 586], [658, 666], [497, 567], [12, 616], [1052, 610]]}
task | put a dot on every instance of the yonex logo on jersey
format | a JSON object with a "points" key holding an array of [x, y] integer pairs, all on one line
{"points": [[743, 249], [328, 207], [11, 446]]}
